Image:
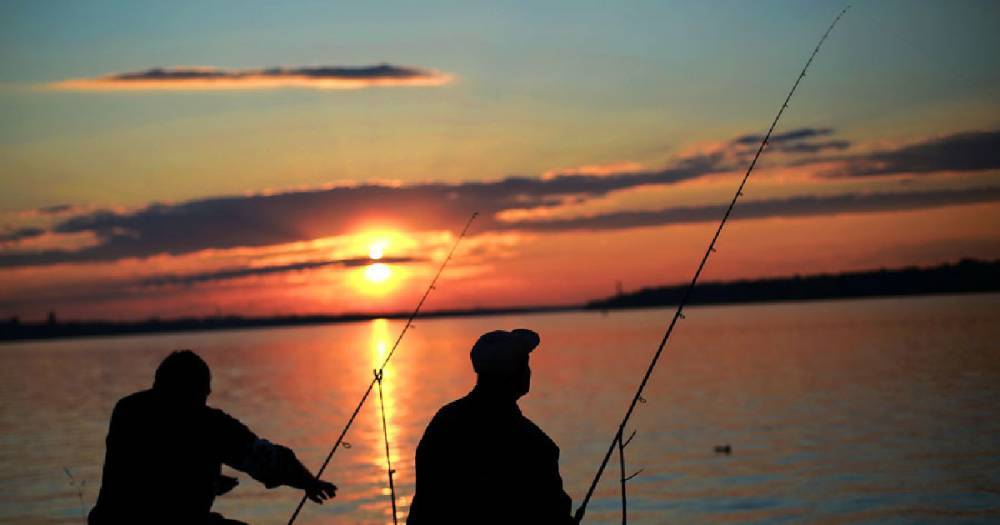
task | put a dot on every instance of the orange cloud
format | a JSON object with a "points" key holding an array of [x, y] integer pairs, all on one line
{"points": [[596, 170], [32, 240], [589, 198], [212, 78]]}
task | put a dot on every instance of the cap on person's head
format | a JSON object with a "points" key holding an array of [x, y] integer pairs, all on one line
{"points": [[500, 351]]}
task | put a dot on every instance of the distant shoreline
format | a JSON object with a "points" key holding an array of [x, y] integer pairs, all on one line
{"points": [[966, 276]]}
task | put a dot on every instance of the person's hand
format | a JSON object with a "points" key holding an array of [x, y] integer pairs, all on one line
{"points": [[224, 484], [320, 490]]}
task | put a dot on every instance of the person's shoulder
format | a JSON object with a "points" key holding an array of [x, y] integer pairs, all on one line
{"points": [[448, 427], [227, 428], [453, 415], [217, 413], [451, 411], [134, 401], [538, 435], [221, 417], [133, 411]]}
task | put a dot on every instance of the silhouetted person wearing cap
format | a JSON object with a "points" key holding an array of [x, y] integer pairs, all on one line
{"points": [[480, 460], [166, 447]]}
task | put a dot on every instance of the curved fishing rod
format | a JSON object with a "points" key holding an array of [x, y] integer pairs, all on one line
{"points": [[378, 372], [679, 314]]}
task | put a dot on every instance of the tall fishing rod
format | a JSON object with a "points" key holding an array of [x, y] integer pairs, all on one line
{"points": [[378, 373], [679, 314]]}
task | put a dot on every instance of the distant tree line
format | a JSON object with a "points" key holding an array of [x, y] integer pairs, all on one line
{"points": [[966, 276]]}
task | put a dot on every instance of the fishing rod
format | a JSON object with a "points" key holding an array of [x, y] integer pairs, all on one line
{"points": [[388, 456], [679, 314], [378, 372]]}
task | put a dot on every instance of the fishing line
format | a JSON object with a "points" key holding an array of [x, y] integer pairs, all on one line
{"points": [[378, 374], [388, 458], [679, 314]]}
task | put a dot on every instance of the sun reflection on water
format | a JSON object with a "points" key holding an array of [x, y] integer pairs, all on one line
{"points": [[381, 344]]}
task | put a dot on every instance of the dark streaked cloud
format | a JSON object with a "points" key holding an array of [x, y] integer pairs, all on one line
{"points": [[968, 151], [760, 209], [262, 220], [56, 209], [796, 141], [250, 271], [20, 234], [321, 77], [814, 147], [279, 218], [795, 135]]}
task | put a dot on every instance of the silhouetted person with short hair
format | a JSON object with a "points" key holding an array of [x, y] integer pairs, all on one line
{"points": [[480, 460], [166, 447]]}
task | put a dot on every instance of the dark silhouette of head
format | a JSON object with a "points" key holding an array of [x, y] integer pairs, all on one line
{"points": [[184, 378], [500, 359]]}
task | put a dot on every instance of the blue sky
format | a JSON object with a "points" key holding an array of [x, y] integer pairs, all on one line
{"points": [[642, 78]]}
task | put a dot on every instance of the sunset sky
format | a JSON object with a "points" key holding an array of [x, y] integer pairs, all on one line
{"points": [[243, 157]]}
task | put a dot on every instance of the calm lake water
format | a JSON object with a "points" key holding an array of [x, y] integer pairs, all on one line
{"points": [[872, 411]]}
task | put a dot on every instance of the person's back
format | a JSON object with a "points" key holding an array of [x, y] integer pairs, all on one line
{"points": [[162, 460], [481, 461], [166, 447]]}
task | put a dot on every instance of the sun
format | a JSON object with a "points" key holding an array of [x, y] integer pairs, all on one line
{"points": [[377, 272]]}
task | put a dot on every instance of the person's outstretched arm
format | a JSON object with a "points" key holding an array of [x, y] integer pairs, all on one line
{"points": [[270, 463]]}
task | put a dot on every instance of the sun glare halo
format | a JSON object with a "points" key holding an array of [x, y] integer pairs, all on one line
{"points": [[377, 272]]}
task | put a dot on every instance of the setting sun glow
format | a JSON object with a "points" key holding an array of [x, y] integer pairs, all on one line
{"points": [[377, 272], [381, 275]]}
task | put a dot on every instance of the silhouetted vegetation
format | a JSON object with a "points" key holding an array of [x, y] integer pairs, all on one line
{"points": [[966, 276], [963, 277], [19, 330]]}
